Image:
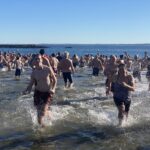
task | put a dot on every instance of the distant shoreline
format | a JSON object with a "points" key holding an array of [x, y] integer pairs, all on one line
{"points": [[69, 46], [21, 46]]}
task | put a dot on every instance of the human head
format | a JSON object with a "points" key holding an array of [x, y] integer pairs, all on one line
{"points": [[38, 60], [42, 51], [113, 58], [53, 55], [122, 68], [75, 55], [145, 53], [96, 56], [18, 57], [66, 54], [121, 57], [136, 57]]}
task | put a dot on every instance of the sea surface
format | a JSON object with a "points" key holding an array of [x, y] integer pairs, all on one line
{"points": [[82, 49], [82, 118]]}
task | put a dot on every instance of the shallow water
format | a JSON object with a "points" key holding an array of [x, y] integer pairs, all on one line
{"points": [[81, 118]]}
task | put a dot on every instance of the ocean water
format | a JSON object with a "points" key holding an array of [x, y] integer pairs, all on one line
{"points": [[81, 118], [93, 49]]}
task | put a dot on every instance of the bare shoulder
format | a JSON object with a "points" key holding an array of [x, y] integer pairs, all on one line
{"points": [[130, 78], [46, 68], [69, 60]]}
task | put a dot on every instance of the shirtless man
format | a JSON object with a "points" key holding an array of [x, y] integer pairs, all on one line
{"points": [[111, 69], [54, 63], [128, 62], [3, 61], [136, 67], [148, 72], [7, 60], [44, 87], [82, 62], [19, 66], [75, 60], [66, 67], [96, 65]]}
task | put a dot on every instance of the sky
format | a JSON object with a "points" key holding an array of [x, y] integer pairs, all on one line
{"points": [[74, 21]]}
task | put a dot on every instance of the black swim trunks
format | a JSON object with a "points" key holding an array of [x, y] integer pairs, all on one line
{"points": [[41, 98], [126, 103]]}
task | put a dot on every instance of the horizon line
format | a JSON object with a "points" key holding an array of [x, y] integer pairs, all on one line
{"points": [[74, 43]]}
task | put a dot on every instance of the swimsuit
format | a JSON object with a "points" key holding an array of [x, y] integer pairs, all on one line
{"points": [[121, 95], [41, 98]]}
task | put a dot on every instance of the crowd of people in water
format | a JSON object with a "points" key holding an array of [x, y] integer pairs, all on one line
{"points": [[120, 71]]}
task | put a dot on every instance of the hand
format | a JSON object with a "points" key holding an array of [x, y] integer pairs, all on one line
{"points": [[124, 84], [107, 92], [52, 92]]}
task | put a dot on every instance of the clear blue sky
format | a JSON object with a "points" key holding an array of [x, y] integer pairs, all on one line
{"points": [[74, 21]]}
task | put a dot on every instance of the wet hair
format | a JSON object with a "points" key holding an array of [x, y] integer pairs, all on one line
{"points": [[34, 55], [136, 57], [121, 64], [121, 56], [42, 52], [53, 55], [66, 54], [17, 58]]}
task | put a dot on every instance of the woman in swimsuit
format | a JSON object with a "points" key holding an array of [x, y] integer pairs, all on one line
{"points": [[121, 86]]}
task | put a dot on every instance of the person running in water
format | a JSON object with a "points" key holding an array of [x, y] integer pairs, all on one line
{"points": [[121, 86], [97, 65], [44, 87], [66, 67], [19, 66], [3, 61], [54, 63], [136, 67], [111, 69], [75, 60], [148, 72]]}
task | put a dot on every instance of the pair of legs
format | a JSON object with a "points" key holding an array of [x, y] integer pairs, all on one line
{"points": [[75, 64], [67, 77], [148, 84], [137, 74], [17, 74], [148, 79], [42, 111], [95, 71], [42, 101], [123, 109]]}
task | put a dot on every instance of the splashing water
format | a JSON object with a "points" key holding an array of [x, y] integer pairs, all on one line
{"points": [[80, 118]]}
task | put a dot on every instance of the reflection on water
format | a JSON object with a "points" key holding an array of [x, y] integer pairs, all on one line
{"points": [[81, 118]]}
